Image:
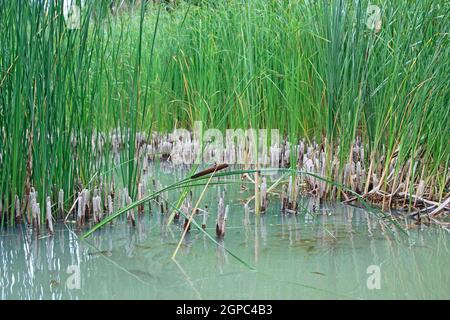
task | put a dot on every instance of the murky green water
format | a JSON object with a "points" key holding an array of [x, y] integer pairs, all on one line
{"points": [[296, 257]]}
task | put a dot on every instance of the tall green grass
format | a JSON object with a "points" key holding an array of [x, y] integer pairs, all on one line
{"points": [[312, 69], [62, 91]]}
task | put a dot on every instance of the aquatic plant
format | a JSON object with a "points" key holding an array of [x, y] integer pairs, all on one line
{"points": [[364, 106]]}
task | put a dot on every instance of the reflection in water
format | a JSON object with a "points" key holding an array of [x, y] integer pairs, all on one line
{"points": [[320, 254], [222, 257]]}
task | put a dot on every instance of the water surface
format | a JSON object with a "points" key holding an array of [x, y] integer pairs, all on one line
{"points": [[322, 255]]}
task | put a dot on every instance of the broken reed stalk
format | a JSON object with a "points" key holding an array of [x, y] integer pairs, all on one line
{"points": [[257, 192], [80, 209], [61, 202], [186, 207], [17, 208], [110, 205], [264, 198], [205, 217], [140, 195], [97, 208], [222, 215], [131, 212], [49, 217], [35, 210], [85, 205]]}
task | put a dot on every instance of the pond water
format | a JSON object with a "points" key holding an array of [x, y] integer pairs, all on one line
{"points": [[337, 251]]}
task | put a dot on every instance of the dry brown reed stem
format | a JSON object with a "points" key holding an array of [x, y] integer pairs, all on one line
{"points": [[441, 207]]}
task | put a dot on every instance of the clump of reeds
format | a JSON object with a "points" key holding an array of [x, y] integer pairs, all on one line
{"points": [[369, 105]]}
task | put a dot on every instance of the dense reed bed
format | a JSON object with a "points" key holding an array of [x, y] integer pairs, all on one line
{"points": [[74, 103]]}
